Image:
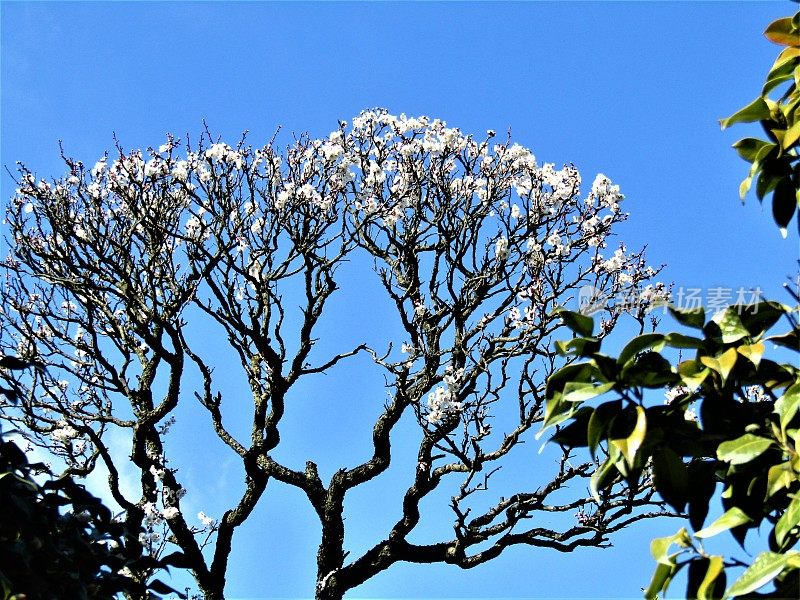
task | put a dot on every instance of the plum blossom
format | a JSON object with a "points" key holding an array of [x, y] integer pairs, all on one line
{"points": [[501, 248], [64, 432], [205, 519], [441, 404]]}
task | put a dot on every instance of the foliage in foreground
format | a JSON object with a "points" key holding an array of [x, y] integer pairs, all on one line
{"points": [[749, 428], [746, 438], [59, 541], [775, 163]]}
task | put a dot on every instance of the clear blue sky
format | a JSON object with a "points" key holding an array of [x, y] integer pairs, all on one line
{"points": [[630, 89]]}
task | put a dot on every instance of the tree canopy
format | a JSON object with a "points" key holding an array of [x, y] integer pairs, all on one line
{"points": [[474, 244]]}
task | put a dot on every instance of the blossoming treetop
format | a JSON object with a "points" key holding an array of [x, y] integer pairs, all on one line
{"points": [[475, 246]]}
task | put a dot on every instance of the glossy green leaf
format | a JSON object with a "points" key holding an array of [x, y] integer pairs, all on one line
{"points": [[691, 317], [659, 547], [789, 520], [671, 478], [790, 340], [782, 31], [577, 322], [783, 204], [630, 445], [604, 476], [678, 340], [747, 183], [575, 372], [752, 352], [556, 411], [788, 405], [599, 422], [791, 136], [764, 569], [579, 346], [648, 341], [649, 369], [733, 517], [576, 391], [726, 362], [714, 568], [757, 110], [702, 484], [660, 580], [692, 374], [573, 435], [730, 325], [754, 149], [777, 75], [779, 477], [767, 181], [743, 449]]}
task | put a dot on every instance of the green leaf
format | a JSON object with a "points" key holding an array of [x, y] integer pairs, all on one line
{"points": [[777, 75], [678, 340], [691, 317], [707, 586], [746, 183], [758, 318], [790, 339], [779, 477], [743, 449], [754, 150], [757, 110], [576, 391], [649, 369], [788, 405], [654, 341], [599, 422], [783, 204], [702, 483], [575, 372], [767, 181], [692, 374], [579, 346], [660, 580], [752, 352], [574, 434], [791, 136], [580, 324], [629, 445], [764, 569], [726, 363], [733, 517], [781, 31], [659, 547], [730, 325], [671, 478], [556, 410], [604, 476], [789, 520]]}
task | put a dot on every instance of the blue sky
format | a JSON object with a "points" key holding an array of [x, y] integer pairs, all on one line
{"points": [[630, 89]]}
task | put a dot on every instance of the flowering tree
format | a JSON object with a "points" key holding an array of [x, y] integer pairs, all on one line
{"points": [[475, 246]]}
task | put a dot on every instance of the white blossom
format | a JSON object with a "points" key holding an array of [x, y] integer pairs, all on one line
{"points": [[501, 248]]}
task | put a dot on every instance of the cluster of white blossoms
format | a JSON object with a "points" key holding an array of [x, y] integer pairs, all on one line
{"points": [[385, 182], [64, 433], [676, 392], [378, 170], [756, 393], [442, 400]]}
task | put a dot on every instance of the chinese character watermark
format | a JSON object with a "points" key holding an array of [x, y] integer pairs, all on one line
{"points": [[713, 299]]}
